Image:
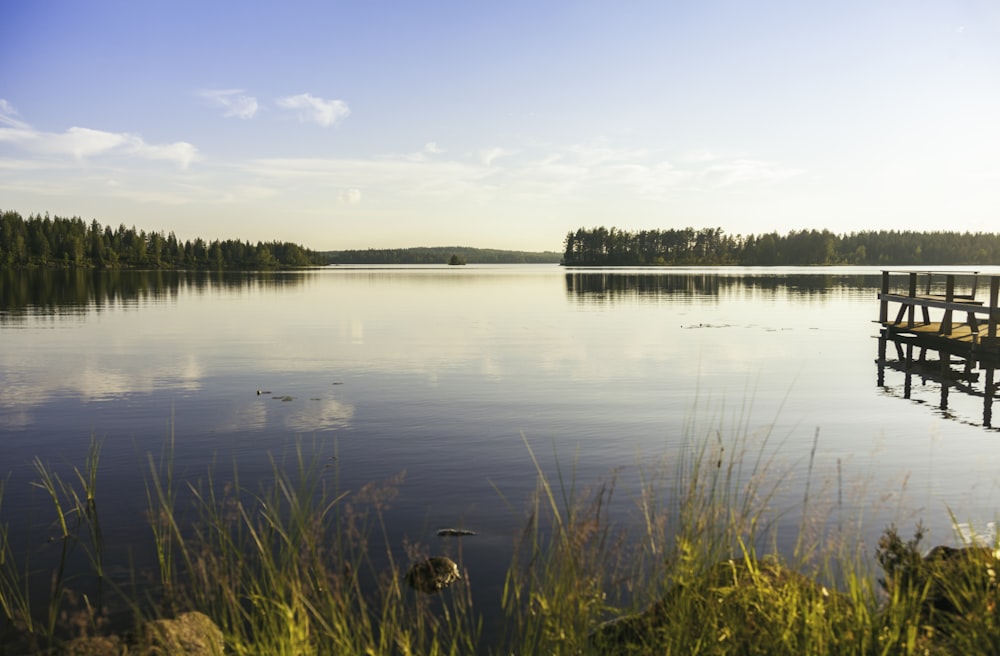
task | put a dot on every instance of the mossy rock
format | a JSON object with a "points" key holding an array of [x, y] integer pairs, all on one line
{"points": [[432, 574], [95, 646], [191, 634], [959, 579], [732, 605], [952, 594]]}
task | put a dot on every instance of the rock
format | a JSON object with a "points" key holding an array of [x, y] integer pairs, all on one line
{"points": [[947, 581], [94, 646], [433, 574], [190, 634], [956, 576], [959, 555], [454, 532]]}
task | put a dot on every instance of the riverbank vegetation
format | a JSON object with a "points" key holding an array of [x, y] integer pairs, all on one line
{"points": [[711, 246], [293, 565], [61, 242]]}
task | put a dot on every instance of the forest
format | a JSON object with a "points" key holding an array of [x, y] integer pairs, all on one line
{"points": [[439, 255], [57, 241], [711, 246], [73, 242]]}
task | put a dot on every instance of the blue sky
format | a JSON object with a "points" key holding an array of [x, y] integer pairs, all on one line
{"points": [[502, 125]]}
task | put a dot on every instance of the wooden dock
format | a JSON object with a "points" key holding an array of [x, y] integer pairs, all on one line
{"points": [[935, 325]]}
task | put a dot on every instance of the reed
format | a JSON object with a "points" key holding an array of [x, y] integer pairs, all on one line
{"points": [[77, 527], [291, 567]]}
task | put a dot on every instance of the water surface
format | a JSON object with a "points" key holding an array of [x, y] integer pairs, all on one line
{"points": [[444, 372]]}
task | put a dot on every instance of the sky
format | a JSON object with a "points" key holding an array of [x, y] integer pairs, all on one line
{"points": [[387, 123]]}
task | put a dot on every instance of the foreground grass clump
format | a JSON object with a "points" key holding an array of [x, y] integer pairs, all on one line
{"points": [[732, 607], [293, 565], [290, 566], [691, 582]]}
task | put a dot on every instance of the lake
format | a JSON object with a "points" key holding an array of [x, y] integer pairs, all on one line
{"points": [[445, 373]]}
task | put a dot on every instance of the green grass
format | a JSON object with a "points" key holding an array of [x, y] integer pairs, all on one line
{"points": [[294, 565]]}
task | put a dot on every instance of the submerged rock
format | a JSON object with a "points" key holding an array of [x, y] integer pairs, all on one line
{"points": [[454, 532], [433, 574]]}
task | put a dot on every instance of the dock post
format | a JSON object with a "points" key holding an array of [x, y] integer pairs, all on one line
{"points": [[883, 306], [908, 371], [991, 331], [882, 338], [945, 360], [988, 399], [949, 298], [911, 308]]}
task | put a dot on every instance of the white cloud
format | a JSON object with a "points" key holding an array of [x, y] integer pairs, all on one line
{"points": [[7, 114], [234, 101], [180, 152], [23, 165], [489, 155], [745, 171], [570, 170], [430, 148], [601, 154], [350, 196], [698, 156], [554, 173], [82, 143], [397, 175], [242, 193], [76, 141], [317, 110]]}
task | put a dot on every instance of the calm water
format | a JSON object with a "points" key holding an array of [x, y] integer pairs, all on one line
{"points": [[439, 372]]}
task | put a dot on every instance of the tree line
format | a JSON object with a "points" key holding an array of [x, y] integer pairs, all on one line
{"points": [[439, 255], [711, 246], [72, 242]]}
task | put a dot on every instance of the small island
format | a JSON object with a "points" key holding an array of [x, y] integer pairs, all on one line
{"points": [[456, 260]]}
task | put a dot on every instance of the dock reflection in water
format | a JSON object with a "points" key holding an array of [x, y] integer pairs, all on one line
{"points": [[938, 368]]}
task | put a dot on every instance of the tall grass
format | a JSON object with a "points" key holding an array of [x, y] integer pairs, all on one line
{"points": [[692, 579], [78, 527], [295, 565]]}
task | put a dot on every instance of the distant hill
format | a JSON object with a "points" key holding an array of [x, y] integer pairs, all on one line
{"points": [[439, 255]]}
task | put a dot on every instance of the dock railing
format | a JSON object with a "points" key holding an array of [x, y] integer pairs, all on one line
{"points": [[923, 293]]}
